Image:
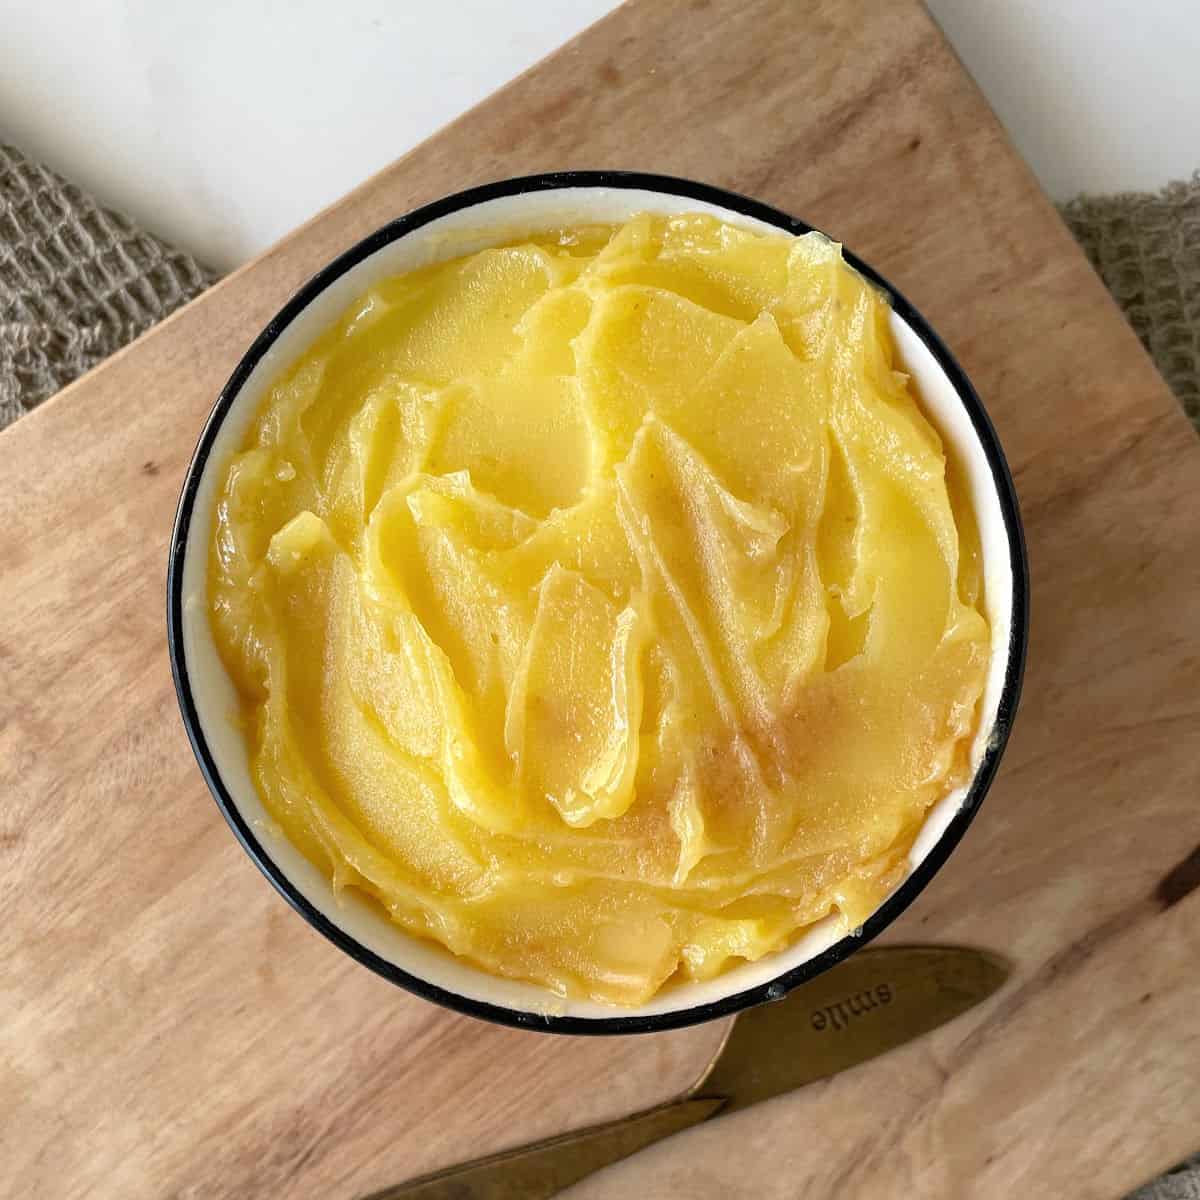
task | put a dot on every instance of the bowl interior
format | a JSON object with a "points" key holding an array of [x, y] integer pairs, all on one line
{"points": [[459, 231]]}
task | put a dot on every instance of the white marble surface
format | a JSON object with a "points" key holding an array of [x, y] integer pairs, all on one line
{"points": [[223, 125]]}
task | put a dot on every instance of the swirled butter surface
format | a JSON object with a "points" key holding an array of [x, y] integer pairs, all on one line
{"points": [[601, 604]]}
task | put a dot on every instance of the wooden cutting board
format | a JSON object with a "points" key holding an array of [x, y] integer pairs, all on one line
{"points": [[171, 1029]]}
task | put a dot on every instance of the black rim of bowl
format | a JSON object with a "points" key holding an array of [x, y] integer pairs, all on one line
{"points": [[774, 988]]}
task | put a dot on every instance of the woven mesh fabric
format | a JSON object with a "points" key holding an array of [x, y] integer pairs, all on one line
{"points": [[77, 282], [1146, 247]]}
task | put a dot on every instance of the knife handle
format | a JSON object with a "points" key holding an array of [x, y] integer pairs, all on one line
{"points": [[540, 1170]]}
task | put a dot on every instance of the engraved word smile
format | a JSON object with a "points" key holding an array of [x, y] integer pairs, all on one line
{"points": [[840, 1014]]}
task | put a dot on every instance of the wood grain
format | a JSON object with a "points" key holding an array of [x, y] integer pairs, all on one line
{"points": [[171, 1029], [1070, 1086]]}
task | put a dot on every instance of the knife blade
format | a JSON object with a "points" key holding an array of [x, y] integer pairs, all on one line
{"points": [[874, 1001], [878, 999]]}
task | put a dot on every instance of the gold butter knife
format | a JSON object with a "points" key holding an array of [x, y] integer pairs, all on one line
{"points": [[873, 1002]]}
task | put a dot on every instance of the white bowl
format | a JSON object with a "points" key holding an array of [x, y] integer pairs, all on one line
{"points": [[462, 224]]}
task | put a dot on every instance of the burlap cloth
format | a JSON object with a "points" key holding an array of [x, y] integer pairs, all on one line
{"points": [[78, 282]]}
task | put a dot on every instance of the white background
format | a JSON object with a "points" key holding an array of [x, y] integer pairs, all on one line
{"points": [[222, 124]]}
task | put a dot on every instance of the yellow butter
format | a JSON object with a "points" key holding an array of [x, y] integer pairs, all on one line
{"points": [[601, 606]]}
